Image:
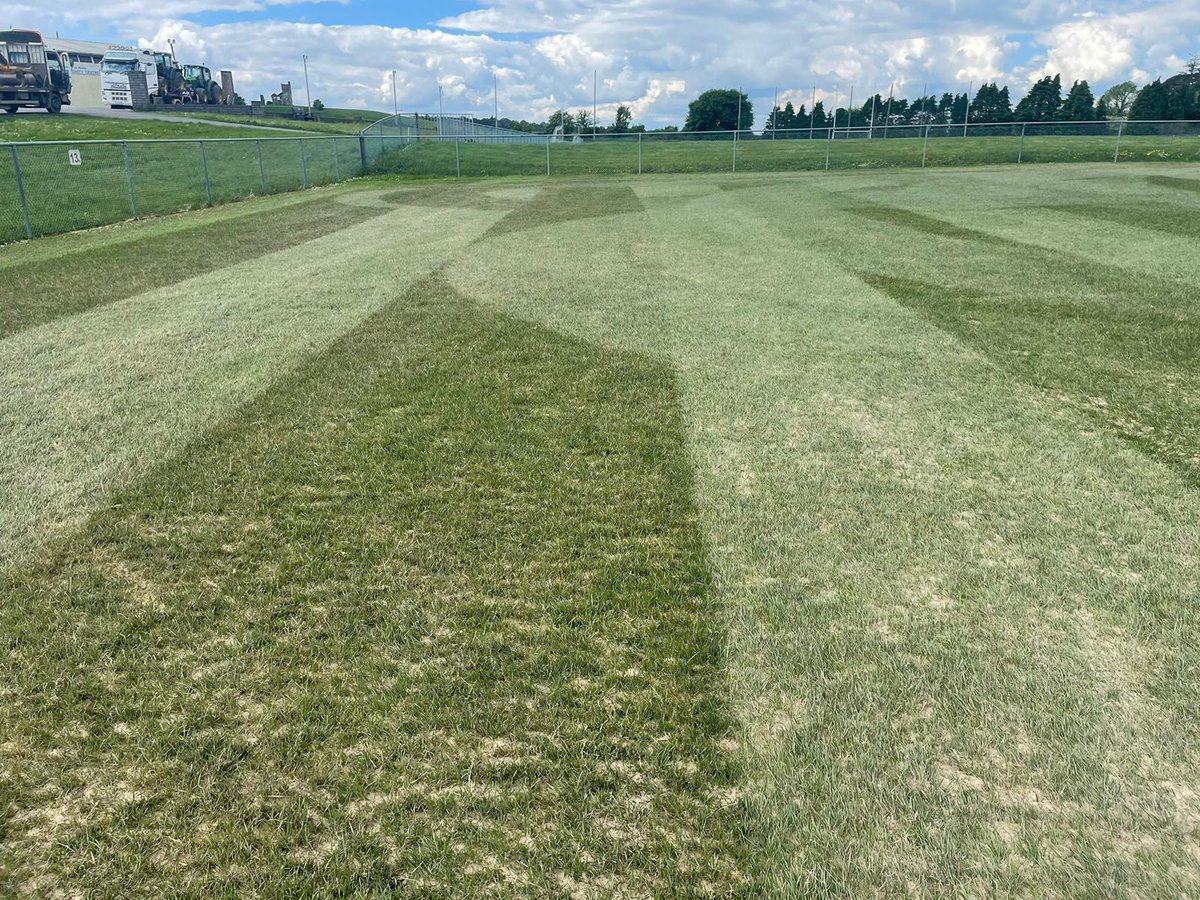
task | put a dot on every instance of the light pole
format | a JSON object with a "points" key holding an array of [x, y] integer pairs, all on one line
{"points": [[395, 103], [595, 76], [307, 92], [495, 101]]}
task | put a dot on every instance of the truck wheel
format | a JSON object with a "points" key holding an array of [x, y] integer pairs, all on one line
{"points": [[54, 104], [11, 110]]}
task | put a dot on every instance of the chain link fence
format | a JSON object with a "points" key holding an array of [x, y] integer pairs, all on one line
{"points": [[407, 151], [50, 187]]}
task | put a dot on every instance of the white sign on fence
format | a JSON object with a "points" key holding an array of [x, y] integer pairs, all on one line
{"points": [[74, 158]]}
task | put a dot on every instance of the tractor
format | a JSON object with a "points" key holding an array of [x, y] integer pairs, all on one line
{"points": [[203, 88], [170, 78]]}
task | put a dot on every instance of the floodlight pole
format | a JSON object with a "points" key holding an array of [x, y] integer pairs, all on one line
{"points": [[307, 92], [872, 131], [811, 112], [775, 115], [595, 78], [395, 102], [495, 103], [850, 111], [441, 113], [967, 114]]}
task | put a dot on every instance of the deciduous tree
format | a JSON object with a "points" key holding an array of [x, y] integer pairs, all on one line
{"points": [[717, 110]]}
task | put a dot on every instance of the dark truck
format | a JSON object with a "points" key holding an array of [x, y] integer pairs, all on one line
{"points": [[31, 75]]}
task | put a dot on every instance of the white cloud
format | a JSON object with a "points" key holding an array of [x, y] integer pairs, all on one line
{"points": [[654, 55]]}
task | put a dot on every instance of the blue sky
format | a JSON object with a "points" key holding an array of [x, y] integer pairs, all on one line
{"points": [[654, 55]]}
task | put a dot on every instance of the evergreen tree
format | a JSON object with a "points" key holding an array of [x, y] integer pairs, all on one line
{"points": [[1151, 102], [819, 118], [1042, 103], [789, 116], [1101, 110], [991, 104], [1080, 105]]}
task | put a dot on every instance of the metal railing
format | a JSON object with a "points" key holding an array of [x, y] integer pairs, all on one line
{"points": [[430, 154]]}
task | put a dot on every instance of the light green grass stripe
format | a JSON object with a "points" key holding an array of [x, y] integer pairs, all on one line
{"points": [[90, 402], [960, 617], [1007, 204], [146, 230]]}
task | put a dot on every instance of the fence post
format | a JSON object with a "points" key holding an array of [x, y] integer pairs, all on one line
{"points": [[548, 154], [1021, 146], [639, 153], [129, 178], [362, 152], [207, 183], [735, 143], [925, 146], [337, 163], [457, 160], [303, 164], [1120, 129], [21, 192], [828, 144], [262, 176]]}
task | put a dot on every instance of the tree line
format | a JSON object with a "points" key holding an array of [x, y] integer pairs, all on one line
{"points": [[1177, 97]]}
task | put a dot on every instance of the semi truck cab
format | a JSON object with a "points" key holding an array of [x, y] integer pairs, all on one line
{"points": [[115, 69]]}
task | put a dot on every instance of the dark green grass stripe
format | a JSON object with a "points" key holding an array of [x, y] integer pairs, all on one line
{"points": [[1109, 363], [1182, 184], [1179, 221], [566, 203], [433, 617], [42, 291]]}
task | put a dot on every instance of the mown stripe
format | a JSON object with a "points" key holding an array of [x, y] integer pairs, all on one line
{"points": [[42, 291], [433, 616]]}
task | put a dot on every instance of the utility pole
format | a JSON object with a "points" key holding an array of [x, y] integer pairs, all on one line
{"points": [[774, 114], [850, 111], [967, 114], [395, 102], [811, 110], [887, 119], [872, 131], [595, 76], [307, 92], [495, 101]]}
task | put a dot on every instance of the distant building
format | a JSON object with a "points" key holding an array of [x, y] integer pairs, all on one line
{"points": [[83, 58]]}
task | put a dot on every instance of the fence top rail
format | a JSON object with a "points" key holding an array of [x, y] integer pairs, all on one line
{"points": [[195, 140], [878, 125]]}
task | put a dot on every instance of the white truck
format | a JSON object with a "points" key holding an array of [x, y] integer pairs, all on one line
{"points": [[114, 75]]}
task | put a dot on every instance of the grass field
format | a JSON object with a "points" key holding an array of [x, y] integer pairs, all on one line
{"points": [[165, 176], [758, 535], [76, 127], [673, 153]]}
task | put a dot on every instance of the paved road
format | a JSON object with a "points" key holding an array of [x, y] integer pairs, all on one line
{"points": [[105, 113]]}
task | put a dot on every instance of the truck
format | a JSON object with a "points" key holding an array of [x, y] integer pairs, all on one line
{"points": [[200, 81], [30, 74], [115, 69]]}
